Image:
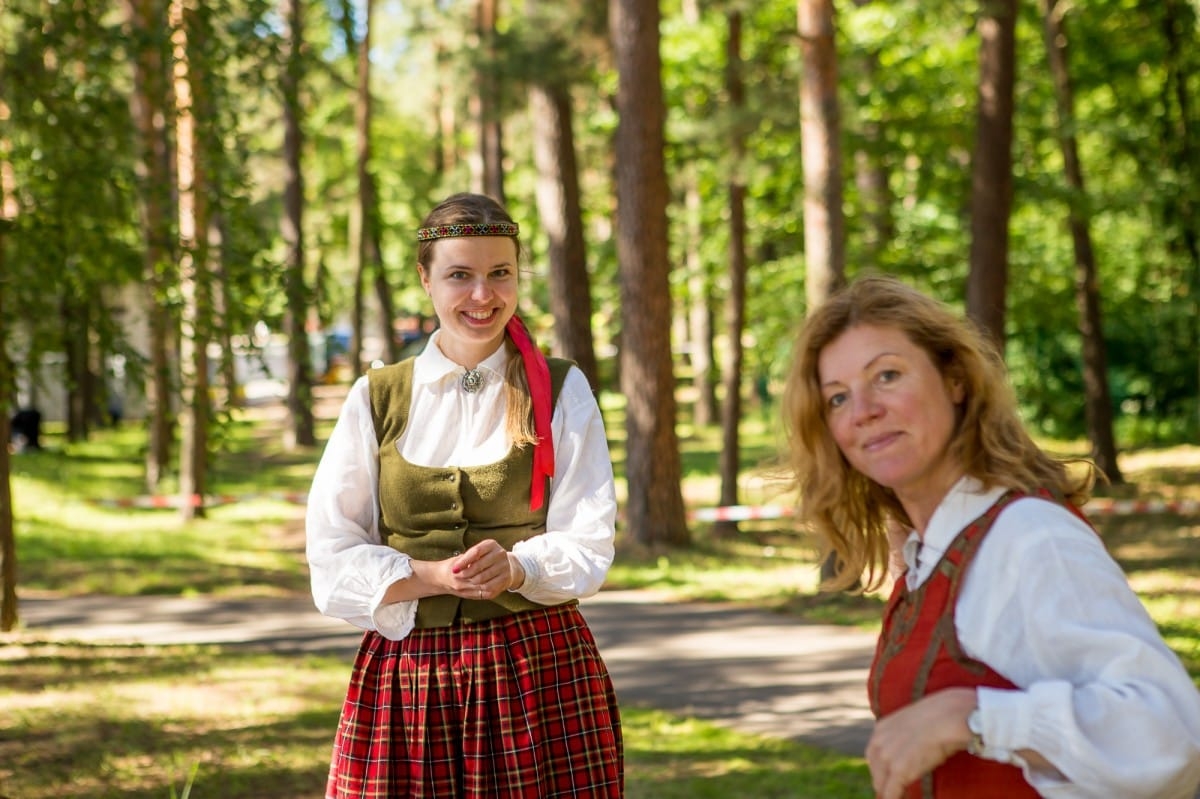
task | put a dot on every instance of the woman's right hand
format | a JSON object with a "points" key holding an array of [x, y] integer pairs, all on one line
{"points": [[916, 739]]}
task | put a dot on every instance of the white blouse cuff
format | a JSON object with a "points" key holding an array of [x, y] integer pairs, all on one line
{"points": [[1006, 719], [532, 576], [394, 620], [1009, 725]]}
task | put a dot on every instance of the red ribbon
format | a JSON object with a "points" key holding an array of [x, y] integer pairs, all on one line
{"points": [[537, 373]]}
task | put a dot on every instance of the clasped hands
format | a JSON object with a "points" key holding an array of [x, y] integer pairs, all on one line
{"points": [[484, 571]]}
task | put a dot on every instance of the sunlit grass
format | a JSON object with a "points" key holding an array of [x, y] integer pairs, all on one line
{"points": [[668, 757], [73, 537], [132, 722], [114, 722]]}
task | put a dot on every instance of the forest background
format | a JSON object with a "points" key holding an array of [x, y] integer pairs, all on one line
{"points": [[690, 178]]}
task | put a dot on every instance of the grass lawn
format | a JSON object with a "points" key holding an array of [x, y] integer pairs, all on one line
{"points": [[135, 723], [102, 721]]}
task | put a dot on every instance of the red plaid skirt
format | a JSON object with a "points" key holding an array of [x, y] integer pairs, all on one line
{"points": [[519, 706]]}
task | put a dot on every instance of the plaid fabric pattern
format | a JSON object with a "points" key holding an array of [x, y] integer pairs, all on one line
{"points": [[519, 707]]}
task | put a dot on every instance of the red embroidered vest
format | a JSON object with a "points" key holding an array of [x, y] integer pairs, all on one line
{"points": [[918, 653]]}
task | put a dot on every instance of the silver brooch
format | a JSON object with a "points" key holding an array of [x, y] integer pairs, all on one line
{"points": [[472, 381]]}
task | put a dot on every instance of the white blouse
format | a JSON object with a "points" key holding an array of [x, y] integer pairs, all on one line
{"points": [[1099, 695], [351, 568]]}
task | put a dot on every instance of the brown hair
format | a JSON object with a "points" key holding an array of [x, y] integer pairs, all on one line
{"points": [[479, 209], [850, 511]]}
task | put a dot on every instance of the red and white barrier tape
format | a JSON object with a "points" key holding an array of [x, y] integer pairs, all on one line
{"points": [[728, 513], [741, 513], [1126, 507], [1097, 507], [209, 501]]}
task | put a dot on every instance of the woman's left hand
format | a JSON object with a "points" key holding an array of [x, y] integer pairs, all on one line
{"points": [[916, 739]]}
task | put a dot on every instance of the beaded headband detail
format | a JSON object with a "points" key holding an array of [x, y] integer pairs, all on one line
{"points": [[455, 231]]}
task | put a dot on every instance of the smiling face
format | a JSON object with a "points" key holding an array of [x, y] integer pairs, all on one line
{"points": [[892, 414], [472, 281]]}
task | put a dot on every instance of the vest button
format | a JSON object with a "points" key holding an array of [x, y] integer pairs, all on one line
{"points": [[453, 506]]}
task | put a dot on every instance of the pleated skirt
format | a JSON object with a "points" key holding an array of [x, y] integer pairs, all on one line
{"points": [[519, 707]]}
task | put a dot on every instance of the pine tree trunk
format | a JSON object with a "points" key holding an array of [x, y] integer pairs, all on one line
{"points": [[654, 509], [1097, 399], [301, 428], [9, 612], [193, 265], [991, 173], [735, 303], [558, 200]]}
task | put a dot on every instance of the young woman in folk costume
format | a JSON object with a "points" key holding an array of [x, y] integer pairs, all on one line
{"points": [[462, 507]]}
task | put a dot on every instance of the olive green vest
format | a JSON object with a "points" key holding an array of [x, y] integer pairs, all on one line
{"points": [[433, 513]]}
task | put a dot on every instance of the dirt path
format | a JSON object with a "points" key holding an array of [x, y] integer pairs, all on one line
{"points": [[748, 669]]}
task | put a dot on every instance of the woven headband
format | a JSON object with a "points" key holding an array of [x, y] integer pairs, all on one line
{"points": [[455, 231]]}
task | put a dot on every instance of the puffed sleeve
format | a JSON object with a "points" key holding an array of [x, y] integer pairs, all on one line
{"points": [[1101, 696], [571, 559], [350, 569]]}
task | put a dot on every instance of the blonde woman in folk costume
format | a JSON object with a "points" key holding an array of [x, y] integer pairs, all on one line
{"points": [[1014, 660], [462, 507]]}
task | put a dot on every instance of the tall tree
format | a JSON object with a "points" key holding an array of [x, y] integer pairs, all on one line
{"points": [[735, 302], [1181, 135], [654, 508], [188, 38], [991, 169], [561, 216], [1097, 398], [148, 103], [700, 322], [366, 246], [9, 611], [821, 152], [871, 176], [558, 200], [370, 243], [301, 428], [701, 349], [486, 102]]}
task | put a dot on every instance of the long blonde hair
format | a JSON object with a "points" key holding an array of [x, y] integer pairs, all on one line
{"points": [[852, 512], [479, 209]]}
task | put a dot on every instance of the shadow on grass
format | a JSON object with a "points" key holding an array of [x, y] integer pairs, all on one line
{"points": [[96, 758], [672, 758], [1153, 542], [108, 722], [141, 573], [856, 610]]}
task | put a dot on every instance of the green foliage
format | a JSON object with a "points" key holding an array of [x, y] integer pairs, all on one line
{"points": [[908, 73]]}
